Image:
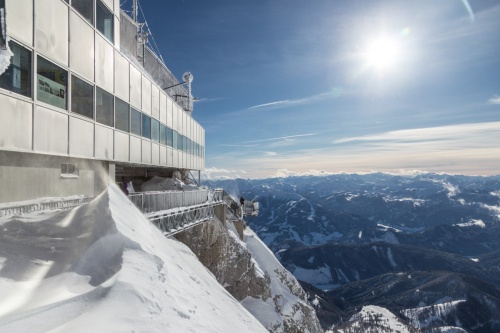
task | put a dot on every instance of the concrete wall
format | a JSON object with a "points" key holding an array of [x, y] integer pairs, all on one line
{"points": [[25, 176]]}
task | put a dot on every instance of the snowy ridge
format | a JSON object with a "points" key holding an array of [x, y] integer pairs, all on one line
{"points": [[284, 306], [430, 315], [103, 267], [374, 319]]}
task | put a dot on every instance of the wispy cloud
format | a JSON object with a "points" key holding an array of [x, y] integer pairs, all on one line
{"points": [[459, 149], [207, 100], [300, 101], [218, 173], [281, 138], [494, 100], [454, 136], [272, 104]]}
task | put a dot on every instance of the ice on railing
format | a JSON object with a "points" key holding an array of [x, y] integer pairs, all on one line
{"points": [[149, 202], [23, 207]]}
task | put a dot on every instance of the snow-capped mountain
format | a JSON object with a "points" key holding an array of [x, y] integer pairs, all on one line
{"points": [[356, 240]]}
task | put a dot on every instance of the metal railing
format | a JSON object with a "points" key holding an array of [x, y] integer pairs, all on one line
{"points": [[149, 202], [34, 207], [174, 222], [175, 211]]}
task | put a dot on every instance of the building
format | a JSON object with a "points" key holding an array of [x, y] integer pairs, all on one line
{"points": [[83, 104]]}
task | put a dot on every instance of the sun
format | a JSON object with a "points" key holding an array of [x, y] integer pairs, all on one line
{"points": [[382, 54]]}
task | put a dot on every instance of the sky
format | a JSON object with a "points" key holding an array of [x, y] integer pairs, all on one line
{"points": [[323, 86]]}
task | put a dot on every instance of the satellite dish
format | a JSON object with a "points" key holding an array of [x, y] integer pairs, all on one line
{"points": [[187, 77]]}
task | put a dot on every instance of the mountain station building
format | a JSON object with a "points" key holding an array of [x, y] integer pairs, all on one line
{"points": [[84, 102]]}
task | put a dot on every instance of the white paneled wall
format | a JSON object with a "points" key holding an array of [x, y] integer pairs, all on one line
{"points": [[104, 143], [146, 95], [51, 29], [63, 37], [81, 137], [16, 123], [135, 87], [81, 47], [51, 131], [18, 26], [122, 147], [104, 59], [122, 81]]}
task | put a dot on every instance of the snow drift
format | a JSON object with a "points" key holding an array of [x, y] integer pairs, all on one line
{"points": [[103, 267]]}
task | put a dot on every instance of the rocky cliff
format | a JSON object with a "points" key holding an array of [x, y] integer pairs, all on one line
{"points": [[251, 273]]}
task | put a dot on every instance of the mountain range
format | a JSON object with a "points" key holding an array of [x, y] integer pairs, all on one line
{"points": [[425, 246]]}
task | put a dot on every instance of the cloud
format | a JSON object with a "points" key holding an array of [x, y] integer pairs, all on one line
{"points": [[281, 138], [494, 100], [441, 137], [456, 149], [283, 173], [207, 100], [271, 104], [218, 173], [300, 101]]}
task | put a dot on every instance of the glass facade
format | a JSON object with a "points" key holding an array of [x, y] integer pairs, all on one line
{"points": [[146, 126], [122, 115], [155, 130], [82, 97], [85, 8], [135, 122], [104, 107], [17, 77], [52, 83], [36, 73], [163, 134], [104, 21], [170, 137]]}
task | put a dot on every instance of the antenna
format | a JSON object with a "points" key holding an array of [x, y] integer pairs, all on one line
{"points": [[188, 78]]}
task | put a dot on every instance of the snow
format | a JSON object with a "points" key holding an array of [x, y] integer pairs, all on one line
{"points": [[272, 311], [386, 319], [472, 223], [429, 315], [386, 227], [5, 56], [165, 184], [315, 277], [391, 258], [493, 209], [103, 267]]}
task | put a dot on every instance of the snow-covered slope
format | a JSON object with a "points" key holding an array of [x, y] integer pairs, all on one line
{"points": [[374, 319], [103, 267]]}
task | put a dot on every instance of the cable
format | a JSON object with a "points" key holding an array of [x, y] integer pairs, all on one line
{"points": [[157, 50]]}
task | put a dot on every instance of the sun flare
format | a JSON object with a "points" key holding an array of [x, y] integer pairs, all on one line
{"points": [[382, 53]]}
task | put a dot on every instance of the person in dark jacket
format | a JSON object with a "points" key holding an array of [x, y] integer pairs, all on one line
{"points": [[242, 201]]}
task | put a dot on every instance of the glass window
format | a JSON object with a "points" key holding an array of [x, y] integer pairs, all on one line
{"points": [[104, 20], [155, 130], [135, 121], [170, 137], [104, 107], [174, 139], [163, 134], [82, 97], [17, 77], [52, 83], [121, 115], [146, 126], [84, 7]]}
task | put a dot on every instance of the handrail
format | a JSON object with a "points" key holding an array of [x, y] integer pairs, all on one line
{"points": [[175, 211], [52, 204]]}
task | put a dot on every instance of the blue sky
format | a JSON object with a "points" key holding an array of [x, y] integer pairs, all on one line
{"points": [[294, 87]]}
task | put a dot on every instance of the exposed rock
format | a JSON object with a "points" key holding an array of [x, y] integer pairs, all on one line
{"points": [[261, 290], [226, 259]]}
